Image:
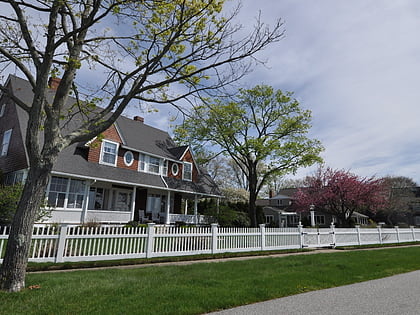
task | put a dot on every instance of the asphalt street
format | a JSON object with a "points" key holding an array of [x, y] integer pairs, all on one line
{"points": [[398, 294]]}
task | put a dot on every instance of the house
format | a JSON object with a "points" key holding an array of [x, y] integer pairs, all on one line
{"points": [[132, 172], [278, 211]]}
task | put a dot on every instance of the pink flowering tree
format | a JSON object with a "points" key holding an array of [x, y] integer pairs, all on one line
{"points": [[340, 193]]}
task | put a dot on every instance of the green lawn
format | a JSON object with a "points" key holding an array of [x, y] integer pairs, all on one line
{"points": [[201, 287]]}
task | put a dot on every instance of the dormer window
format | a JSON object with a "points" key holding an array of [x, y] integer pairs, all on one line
{"points": [[109, 151], [187, 172], [5, 143], [2, 110]]}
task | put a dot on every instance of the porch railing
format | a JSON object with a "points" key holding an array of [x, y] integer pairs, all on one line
{"points": [[190, 219]]}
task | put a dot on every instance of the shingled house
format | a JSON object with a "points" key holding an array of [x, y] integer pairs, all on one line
{"points": [[133, 172]]}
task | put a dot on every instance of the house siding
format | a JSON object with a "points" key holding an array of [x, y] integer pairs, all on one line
{"points": [[170, 174], [16, 156], [189, 158], [95, 148]]}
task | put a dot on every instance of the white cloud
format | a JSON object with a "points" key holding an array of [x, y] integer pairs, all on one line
{"points": [[355, 65]]}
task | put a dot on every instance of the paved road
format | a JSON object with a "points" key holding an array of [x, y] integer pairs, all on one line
{"points": [[398, 294]]}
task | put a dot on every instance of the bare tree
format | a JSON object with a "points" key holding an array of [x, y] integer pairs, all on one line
{"points": [[150, 51], [401, 192]]}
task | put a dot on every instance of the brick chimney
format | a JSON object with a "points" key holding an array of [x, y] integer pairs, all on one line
{"points": [[139, 118], [53, 83], [270, 193]]}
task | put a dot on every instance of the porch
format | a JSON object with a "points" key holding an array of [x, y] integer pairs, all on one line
{"points": [[77, 201]]}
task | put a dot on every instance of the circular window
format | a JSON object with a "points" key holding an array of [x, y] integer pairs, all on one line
{"points": [[128, 158], [175, 169]]}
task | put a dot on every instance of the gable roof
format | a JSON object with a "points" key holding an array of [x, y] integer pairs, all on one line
{"points": [[144, 138], [136, 136], [179, 152]]}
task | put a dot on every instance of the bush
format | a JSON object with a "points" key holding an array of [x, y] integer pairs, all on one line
{"points": [[229, 214], [9, 198]]}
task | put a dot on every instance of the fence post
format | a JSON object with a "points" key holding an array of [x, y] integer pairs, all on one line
{"points": [[413, 233], [61, 243], [379, 227], [214, 230], [359, 239], [262, 231], [398, 233], [150, 239], [334, 239], [300, 228]]}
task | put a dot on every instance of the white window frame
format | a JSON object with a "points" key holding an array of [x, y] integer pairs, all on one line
{"points": [[67, 193], [142, 162], [2, 109], [175, 169], [104, 142], [184, 172], [125, 158], [157, 163], [145, 165], [7, 136], [165, 164]]}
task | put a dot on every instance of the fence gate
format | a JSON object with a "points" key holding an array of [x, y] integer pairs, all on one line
{"points": [[318, 237]]}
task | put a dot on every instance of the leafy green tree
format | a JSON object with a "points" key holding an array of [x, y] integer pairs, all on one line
{"points": [[264, 131], [148, 51]]}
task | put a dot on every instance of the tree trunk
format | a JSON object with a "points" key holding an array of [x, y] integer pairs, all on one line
{"points": [[253, 209], [252, 185], [13, 269]]}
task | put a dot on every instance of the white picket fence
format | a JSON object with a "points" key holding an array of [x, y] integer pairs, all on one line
{"points": [[75, 243]]}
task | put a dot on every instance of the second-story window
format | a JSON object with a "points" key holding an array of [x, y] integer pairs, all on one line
{"points": [[175, 169], [5, 143], [142, 163], [187, 171], [128, 158], [2, 109], [109, 153], [154, 164]]}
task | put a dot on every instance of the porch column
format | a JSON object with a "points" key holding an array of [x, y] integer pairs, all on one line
{"points": [[168, 208], [86, 202], [196, 209], [186, 207], [133, 203]]}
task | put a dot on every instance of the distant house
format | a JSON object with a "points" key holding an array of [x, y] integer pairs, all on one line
{"points": [[277, 209], [278, 212], [134, 172]]}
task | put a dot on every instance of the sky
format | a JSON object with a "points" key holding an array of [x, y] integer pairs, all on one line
{"points": [[356, 65]]}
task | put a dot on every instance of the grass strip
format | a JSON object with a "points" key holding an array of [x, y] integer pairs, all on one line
{"points": [[202, 287]]}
